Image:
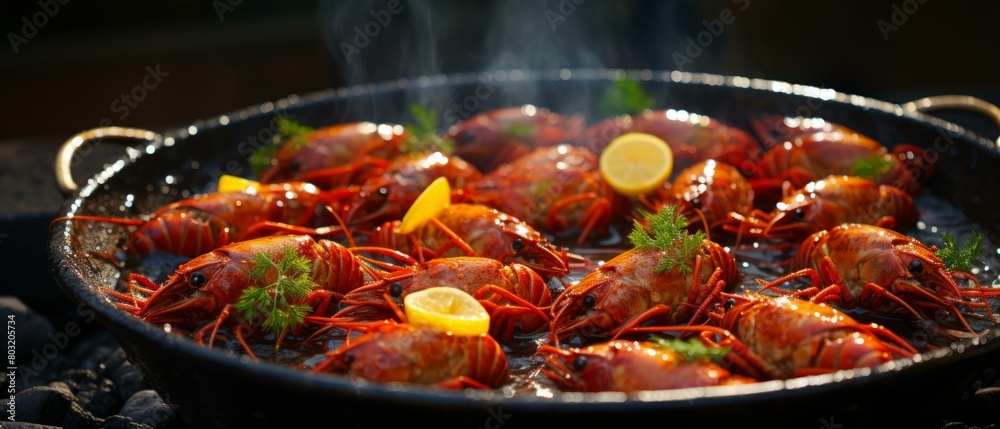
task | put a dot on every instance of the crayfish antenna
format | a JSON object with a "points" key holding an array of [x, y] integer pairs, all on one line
{"points": [[976, 291], [396, 255], [704, 223], [631, 325], [478, 294], [577, 261], [132, 303], [348, 233], [340, 176], [342, 320], [347, 323]]}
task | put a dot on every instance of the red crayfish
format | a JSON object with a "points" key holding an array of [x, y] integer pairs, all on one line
{"points": [[490, 139], [883, 271]]}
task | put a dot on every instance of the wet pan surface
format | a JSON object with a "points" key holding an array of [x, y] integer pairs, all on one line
{"points": [[213, 389]]}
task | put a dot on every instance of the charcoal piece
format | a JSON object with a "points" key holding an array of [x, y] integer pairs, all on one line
{"points": [[147, 407], [83, 349], [113, 361], [96, 394], [33, 330], [79, 418], [44, 404], [26, 425], [93, 360], [75, 378], [989, 397], [101, 398], [122, 422], [129, 380]]}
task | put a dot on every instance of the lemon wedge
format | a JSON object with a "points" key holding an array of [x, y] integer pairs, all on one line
{"points": [[636, 163], [447, 309], [429, 204], [229, 183]]}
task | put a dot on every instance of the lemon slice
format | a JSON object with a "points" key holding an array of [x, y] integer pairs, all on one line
{"points": [[636, 163], [429, 204], [229, 183], [447, 309]]}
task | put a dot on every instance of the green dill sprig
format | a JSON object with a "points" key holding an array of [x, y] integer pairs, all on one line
{"points": [[872, 168], [625, 97], [521, 131], [692, 349], [289, 132], [960, 259], [670, 236], [277, 302], [424, 136]]}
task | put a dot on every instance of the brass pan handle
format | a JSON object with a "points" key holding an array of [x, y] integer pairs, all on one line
{"points": [[959, 102], [64, 158]]}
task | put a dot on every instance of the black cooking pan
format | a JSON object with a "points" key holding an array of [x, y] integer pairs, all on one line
{"points": [[213, 389]]}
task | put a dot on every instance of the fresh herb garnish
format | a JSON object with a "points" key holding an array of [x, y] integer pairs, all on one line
{"points": [[521, 131], [625, 97], [423, 132], [290, 129], [541, 188], [670, 236], [290, 132], [692, 349], [277, 301], [960, 259], [873, 168]]}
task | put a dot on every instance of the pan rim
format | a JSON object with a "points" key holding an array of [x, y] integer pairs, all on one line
{"points": [[73, 283]]}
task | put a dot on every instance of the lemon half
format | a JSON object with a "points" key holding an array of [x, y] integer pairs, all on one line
{"points": [[636, 163], [447, 309], [229, 183], [429, 204]]}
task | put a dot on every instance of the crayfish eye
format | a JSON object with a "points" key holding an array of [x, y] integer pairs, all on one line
{"points": [[395, 289], [517, 245], [580, 363], [799, 213], [916, 267], [466, 138], [696, 202], [348, 360], [383, 191], [730, 303], [589, 301], [197, 279]]}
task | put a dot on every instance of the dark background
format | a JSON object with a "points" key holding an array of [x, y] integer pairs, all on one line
{"points": [[220, 57], [81, 58], [88, 54]]}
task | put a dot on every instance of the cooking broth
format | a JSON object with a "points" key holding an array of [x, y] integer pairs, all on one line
{"points": [[755, 260]]}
